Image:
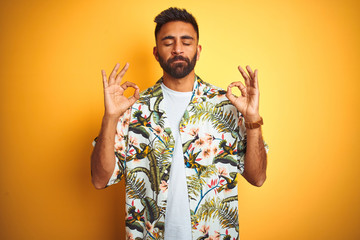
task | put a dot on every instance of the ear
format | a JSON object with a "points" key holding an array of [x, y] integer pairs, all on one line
{"points": [[198, 52], [155, 53]]}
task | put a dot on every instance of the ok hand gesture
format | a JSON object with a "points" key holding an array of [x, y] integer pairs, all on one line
{"points": [[248, 103], [115, 101]]}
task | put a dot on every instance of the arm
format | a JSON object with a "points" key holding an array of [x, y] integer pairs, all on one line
{"points": [[248, 105], [255, 158], [103, 155]]}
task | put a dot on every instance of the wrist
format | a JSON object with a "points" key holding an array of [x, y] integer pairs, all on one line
{"points": [[254, 123], [108, 127], [252, 118], [111, 118]]}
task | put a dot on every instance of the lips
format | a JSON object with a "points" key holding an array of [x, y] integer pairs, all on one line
{"points": [[178, 59]]}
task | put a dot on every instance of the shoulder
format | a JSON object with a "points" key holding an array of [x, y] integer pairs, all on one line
{"points": [[149, 97], [211, 93], [153, 91]]}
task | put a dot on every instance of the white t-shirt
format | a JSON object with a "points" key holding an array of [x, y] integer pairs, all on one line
{"points": [[177, 220]]}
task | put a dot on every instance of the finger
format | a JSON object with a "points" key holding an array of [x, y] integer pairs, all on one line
{"points": [[234, 84], [229, 95], [105, 82], [113, 74], [134, 97], [256, 82], [249, 70], [240, 86], [121, 73], [252, 76], [245, 76], [125, 85]]}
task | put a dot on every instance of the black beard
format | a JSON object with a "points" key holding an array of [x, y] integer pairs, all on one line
{"points": [[178, 70]]}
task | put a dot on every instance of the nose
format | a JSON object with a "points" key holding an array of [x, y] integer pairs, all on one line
{"points": [[177, 49]]}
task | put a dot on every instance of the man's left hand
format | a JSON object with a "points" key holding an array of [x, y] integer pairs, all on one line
{"points": [[248, 103]]}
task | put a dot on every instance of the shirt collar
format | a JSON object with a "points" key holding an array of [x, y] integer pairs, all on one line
{"points": [[198, 83]]}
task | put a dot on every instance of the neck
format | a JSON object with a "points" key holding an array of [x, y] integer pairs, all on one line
{"points": [[184, 84]]}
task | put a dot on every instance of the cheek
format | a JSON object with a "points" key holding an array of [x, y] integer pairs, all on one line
{"points": [[161, 53]]}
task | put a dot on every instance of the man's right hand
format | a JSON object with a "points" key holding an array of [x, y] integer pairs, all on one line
{"points": [[103, 156], [115, 101]]}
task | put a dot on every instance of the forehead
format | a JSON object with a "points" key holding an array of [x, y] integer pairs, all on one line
{"points": [[176, 29]]}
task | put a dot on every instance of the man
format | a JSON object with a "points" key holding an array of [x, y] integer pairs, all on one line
{"points": [[180, 143]]}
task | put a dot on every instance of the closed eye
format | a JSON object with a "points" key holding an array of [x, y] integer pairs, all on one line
{"points": [[168, 42]]}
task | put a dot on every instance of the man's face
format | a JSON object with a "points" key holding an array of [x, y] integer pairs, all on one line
{"points": [[177, 48]]}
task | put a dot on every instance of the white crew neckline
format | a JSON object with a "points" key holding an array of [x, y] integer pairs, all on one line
{"points": [[173, 91]]}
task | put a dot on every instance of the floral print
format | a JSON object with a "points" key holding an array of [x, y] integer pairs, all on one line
{"points": [[214, 145]]}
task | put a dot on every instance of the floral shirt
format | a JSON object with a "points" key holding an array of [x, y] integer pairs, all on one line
{"points": [[214, 145]]}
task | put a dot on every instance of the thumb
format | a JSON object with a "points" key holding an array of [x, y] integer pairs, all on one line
{"points": [[135, 97], [229, 95]]}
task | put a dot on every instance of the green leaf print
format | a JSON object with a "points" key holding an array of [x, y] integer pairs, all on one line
{"points": [[135, 187], [151, 209], [215, 208], [221, 120]]}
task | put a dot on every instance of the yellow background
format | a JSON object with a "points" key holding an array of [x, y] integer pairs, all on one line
{"points": [[307, 53]]}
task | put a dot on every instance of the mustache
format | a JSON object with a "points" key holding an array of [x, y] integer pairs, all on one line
{"points": [[178, 58]]}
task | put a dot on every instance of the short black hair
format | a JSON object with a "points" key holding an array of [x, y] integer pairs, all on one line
{"points": [[175, 14]]}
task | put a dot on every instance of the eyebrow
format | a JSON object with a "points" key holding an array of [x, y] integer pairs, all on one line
{"points": [[182, 37]]}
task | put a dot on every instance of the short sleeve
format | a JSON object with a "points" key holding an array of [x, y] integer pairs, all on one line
{"points": [[241, 145], [120, 146]]}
